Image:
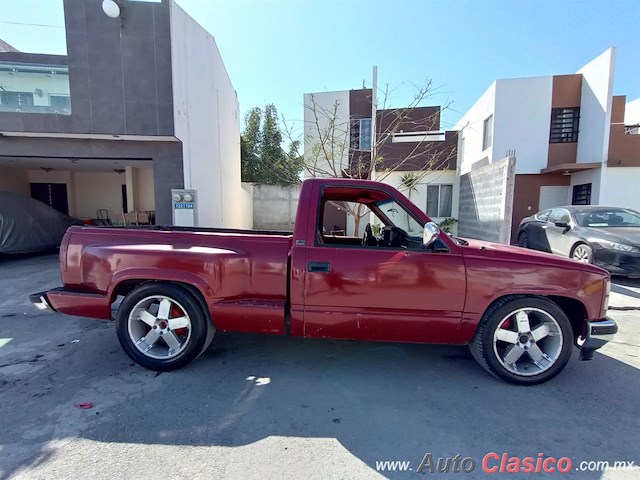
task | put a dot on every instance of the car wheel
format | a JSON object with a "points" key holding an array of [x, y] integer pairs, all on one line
{"points": [[583, 253], [523, 240], [523, 340], [163, 327]]}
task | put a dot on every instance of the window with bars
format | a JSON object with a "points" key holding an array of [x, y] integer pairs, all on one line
{"points": [[360, 134], [581, 194], [17, 99], [565, 123]]}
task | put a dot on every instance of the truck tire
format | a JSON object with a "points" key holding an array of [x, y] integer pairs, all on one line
{"points": [[162, 327], [523, 340]]}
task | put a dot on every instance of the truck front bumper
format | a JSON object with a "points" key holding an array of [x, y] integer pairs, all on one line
{"points": [[597, 334]]}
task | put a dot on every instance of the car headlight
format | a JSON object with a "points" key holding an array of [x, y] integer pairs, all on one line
{"points": [[619, 246]]}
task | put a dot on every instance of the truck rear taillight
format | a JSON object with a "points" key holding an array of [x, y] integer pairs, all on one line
{"points": [[607, 291], [64, 248]]}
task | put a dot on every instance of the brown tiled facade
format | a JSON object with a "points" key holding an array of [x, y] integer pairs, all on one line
{"points": [[402, 156], [566, 93], [624, 149]]}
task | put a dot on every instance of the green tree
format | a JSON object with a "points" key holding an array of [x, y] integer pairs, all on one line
{"points": [[250, 142], [263, 158]]}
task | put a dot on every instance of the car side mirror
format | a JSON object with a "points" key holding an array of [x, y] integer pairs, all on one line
{"points": [[430, 233], [562, 224]]}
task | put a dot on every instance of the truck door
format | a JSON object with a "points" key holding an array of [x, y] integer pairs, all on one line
{"points": [[380, 289]]}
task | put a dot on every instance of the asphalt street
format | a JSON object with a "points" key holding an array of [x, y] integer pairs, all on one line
{"points": [[270, 407]]}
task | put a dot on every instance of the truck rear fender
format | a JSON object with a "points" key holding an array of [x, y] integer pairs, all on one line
{"points": [[125, 281]]}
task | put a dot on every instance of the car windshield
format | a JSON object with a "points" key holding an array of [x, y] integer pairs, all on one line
{"points": [[608, 218]]}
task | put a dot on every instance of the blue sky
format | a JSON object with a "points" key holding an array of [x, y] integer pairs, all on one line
{"points": [[276, 50]]}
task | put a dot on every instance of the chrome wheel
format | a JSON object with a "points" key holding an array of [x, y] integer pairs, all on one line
{"points": [[528, 341], [582, 253], [159, 327]]}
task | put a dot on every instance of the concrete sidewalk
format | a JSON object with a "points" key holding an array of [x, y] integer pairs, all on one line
{"points": [[625, 294]]}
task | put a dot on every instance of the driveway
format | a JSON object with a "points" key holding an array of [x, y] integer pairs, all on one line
{"points": [[270, 407]]}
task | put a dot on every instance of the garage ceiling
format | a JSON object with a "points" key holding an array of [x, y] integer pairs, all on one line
{"points": [[77, 164]]}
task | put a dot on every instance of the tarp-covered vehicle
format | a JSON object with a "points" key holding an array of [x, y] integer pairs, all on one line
{"points": [[28, 225]]}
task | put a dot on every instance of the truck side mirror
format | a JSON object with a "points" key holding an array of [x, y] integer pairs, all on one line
{"points": [[430, 233]]}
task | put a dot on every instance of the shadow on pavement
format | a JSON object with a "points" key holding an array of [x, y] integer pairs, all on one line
{"points": [[379, 401]]}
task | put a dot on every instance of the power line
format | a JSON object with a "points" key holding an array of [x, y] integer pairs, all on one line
{"points": [[33, 24]]}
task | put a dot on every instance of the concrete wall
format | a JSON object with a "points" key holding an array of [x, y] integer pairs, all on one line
{"points": [[595, 108], [486, 200], [14, 180], [96, 190], [619, 188], [522, 121], [329, 107], [275, 206], [471, 131], [206, 120], [145, 190]]}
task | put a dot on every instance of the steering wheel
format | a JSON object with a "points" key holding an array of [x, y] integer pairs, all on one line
{"points": [[368, 240]]}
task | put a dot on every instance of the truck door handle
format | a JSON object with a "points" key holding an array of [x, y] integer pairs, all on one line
{"points": [[318, 267]]}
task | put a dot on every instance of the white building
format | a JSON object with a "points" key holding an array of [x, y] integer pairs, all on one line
{"points": [[338, 136], [573, 141]]}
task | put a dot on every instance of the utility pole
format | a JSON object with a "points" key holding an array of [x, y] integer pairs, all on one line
{"points": [[374, 96]]}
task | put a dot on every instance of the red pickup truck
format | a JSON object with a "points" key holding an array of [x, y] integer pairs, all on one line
{"points": [[402, 280]]}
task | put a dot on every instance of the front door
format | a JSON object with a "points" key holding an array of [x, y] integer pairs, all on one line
{"points": [[53, 194], [373, 290], [559, 241]]}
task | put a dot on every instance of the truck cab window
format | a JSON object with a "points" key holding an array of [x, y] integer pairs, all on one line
{"points": [[362, 218]]}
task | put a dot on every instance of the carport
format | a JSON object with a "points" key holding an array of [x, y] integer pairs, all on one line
{"points": [[92, 177]]}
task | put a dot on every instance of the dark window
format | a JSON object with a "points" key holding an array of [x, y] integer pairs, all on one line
{"points": [[17, 99], [360, 134], [52, 194], [632, 129], [439, 199], [125, 202], [60, 101], [487, 137], [581, 194], [564, 125]]}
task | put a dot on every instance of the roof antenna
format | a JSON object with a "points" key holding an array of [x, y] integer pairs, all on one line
{"points": [[363, 87]]}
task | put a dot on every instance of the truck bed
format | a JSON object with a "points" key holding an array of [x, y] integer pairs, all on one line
{"points": [[241, 274]]}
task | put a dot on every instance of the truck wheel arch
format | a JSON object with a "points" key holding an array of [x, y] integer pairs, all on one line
{"points": [[523, 339], [124, 287], [573, 309]]}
